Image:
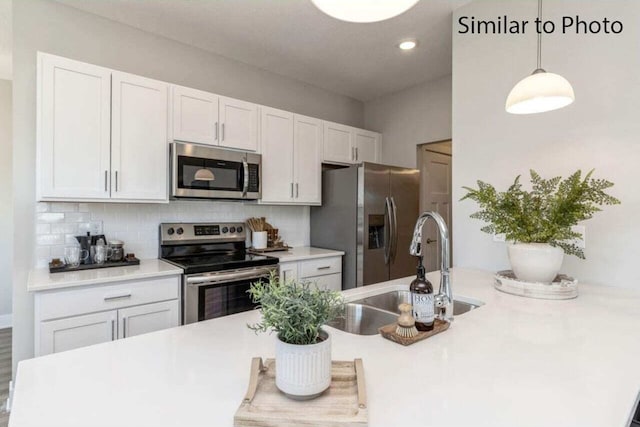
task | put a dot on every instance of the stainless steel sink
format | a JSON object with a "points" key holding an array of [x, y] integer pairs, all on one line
{"points": [[365, 316]]}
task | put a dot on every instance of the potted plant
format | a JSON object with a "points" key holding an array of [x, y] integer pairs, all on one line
{"points": [[296, 311], [538, 223]]}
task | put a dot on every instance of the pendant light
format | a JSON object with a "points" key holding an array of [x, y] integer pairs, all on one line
{"points": [[541, 91], [364, 10]]}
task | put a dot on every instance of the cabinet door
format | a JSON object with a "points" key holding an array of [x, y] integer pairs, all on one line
{"points": [[276, 137], [74, 104], [139, 164], [368, 146], [148, 318], [75, 332], [338, 143], [195, 115], [238, 124], [332, 282], [288, 271], [307, 160]]}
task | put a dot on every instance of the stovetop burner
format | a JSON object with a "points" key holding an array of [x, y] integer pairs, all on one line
{"points": [[205, 263]]}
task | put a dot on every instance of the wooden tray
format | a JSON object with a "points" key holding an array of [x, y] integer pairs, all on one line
{"points": [[343, 404], [267, 250], [107, 264], [389, 332], [562, 288]]}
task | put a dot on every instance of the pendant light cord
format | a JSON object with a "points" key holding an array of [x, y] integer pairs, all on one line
{"points": [[540, 35]]}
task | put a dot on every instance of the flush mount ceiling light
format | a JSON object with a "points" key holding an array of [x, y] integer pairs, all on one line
{"points": [[541, 91], [408, 44], [364, 10]]}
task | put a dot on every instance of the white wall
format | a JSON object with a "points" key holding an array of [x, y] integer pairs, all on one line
{"points": [[600, 130], [6, 211], [51, 27], [411, 117]]}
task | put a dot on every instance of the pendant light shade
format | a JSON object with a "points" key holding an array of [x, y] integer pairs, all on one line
{"points": [[364, 10], [540, 92]]}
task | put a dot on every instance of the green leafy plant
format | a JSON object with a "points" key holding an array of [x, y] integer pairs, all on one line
{"points": [[546, 213], [294, 310]]}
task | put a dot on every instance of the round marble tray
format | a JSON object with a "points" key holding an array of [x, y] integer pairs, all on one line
{"points": [[563, 286]]}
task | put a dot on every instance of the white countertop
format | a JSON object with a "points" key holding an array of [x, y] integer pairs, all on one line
{"points": [[41, 280], [512, 362], [303, 253]]}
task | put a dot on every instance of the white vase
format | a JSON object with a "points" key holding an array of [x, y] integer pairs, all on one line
{"points": [[303, 371], [535, 262]]}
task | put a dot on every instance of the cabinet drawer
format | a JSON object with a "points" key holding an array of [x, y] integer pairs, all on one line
{"points": [[332, 282], [72, 302], [320, 267]]}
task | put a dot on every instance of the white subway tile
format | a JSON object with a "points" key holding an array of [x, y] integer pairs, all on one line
{"points": [[50, 239], [50, 217], [64, 228], [42, 207], [77, 217], [43, 228], [63, 207]]}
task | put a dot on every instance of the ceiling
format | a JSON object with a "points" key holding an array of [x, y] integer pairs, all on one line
{"points": [[5, 40], [294, 39]]}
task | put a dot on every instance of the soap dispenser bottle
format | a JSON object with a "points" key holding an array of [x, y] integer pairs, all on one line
{"points": [[422, 299]]}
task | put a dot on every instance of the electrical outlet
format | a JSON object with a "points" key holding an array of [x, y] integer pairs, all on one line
{"points": [[501, 238], [580, 242]]}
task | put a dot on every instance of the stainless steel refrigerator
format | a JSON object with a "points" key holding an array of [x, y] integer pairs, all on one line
{"points": [[368, 211]]}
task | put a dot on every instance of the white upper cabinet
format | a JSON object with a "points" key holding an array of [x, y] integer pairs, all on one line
{"points": [[368, 146], [195, 115], [276, 137], [307, 151], [74, 102], [139, 159], [339, 144], [238, 124]]}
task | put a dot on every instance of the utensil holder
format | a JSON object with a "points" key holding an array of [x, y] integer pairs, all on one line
{"points": [[259, 239]]}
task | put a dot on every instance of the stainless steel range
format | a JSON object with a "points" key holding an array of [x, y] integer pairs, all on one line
{"points": [[217, 269]]}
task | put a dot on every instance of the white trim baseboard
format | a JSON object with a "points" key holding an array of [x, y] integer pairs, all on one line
{"points": [[5, 321]]}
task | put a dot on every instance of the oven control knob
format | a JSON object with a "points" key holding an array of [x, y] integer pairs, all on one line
{"points": [[225, 230], [170, 231], [232, 229], [180, 230], [239, 229]]}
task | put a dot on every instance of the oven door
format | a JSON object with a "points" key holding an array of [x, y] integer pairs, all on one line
{"points": [[211, 295]]}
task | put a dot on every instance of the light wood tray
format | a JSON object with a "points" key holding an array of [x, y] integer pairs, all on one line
{"points": [[389, 332], [344, 403]]}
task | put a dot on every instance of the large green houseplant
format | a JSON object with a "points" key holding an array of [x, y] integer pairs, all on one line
{"points": [[296, 311], [538, 223]]}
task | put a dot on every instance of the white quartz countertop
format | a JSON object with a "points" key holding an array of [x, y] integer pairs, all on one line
{"points": [[41, 280], [303, 253], [512, 362]]}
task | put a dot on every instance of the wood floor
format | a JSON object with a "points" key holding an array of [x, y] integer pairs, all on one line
{"points": [[5, 373]]}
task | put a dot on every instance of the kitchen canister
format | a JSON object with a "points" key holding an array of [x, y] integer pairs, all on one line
{"points": [[259, 239]]}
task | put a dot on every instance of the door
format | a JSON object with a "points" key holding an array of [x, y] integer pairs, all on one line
{"points": [[436, 196], [139, 162], [276, 137], [77, 331], [74, 109], [195, 115], [307, 165], [376, 217], [338, 143], [288, 271], [238, 124], [405, 198], [368, 146], [146, 318]]}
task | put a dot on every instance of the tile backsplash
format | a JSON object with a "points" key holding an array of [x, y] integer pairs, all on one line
{"points": [[137, 224]]}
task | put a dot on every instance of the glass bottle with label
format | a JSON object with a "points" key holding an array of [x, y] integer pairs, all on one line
{"points": [[422, 299]]}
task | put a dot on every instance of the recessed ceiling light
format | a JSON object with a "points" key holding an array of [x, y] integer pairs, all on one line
{"points": [[408, 44]]}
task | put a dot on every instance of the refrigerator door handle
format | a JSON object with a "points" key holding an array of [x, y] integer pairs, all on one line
{"points": [[394, 229], [388, 235]]}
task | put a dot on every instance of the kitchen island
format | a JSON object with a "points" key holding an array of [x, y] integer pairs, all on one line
{"points": [[511, 362]]}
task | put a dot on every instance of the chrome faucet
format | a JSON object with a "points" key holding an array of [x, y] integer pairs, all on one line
{"points": [[444, 298]]}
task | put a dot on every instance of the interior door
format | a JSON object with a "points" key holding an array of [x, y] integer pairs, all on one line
{"points": [[377, 222], [77, 331], [238, 124], [147, 318], [405, 194], [276, 137], [436, 196], [74, 132], [139, 138], [195, 115], [307, 164]]}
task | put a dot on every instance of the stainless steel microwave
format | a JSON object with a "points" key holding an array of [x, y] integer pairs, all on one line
{"points": [[201, 172]]}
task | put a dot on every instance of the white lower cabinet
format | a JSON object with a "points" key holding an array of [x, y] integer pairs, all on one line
{"points": [[66, 319], [325, 272]]}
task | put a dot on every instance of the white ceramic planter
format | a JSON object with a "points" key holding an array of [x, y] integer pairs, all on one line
{"points": [[535, 262], [303, 371]]}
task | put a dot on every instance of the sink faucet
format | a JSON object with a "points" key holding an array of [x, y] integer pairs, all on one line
{"points": [[444, 298]]}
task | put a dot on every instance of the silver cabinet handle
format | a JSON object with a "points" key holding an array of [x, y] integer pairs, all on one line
{"points": [[216, 130], [353, 153], [430, 241], [113, 329], [117, 297], [292, 190], [124, 327], [116, 181], [297, 193], [326, 267], [223, 131], [356, 154], [105, 180]]}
